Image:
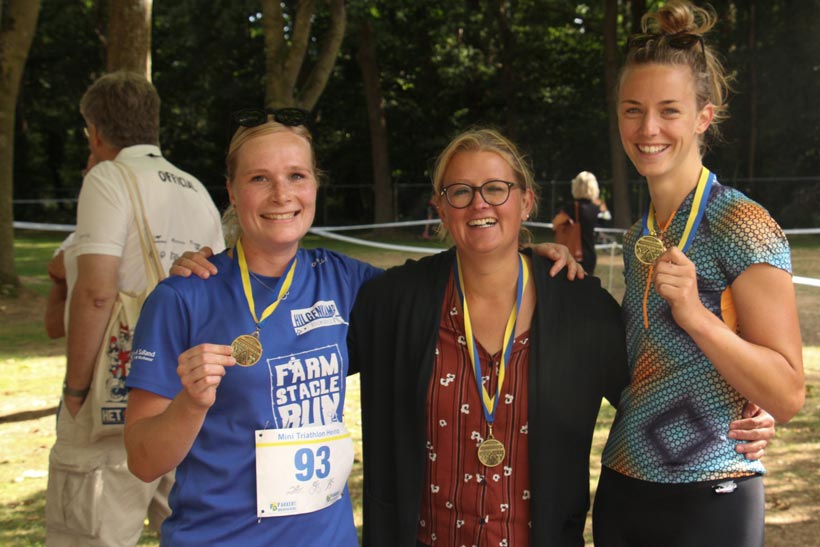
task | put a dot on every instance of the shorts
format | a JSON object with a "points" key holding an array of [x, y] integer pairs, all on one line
{"points": [[92, 499], [635, 513]]}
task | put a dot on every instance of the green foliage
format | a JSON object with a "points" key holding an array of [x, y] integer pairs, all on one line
{"points": [[208, 61], [50, 148], [779, 46], [535, 71]]}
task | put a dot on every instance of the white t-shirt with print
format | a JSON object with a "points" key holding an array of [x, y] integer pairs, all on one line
{"points": [[181, 214]]}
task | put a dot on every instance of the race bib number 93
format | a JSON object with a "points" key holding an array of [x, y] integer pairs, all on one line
{"points": [[301, 470]]}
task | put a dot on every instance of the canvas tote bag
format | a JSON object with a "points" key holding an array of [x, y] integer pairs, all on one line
{"points": [[568, 232], [108, 395]]}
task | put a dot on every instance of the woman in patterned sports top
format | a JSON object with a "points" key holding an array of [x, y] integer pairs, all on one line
{"points": [[709, 309]]}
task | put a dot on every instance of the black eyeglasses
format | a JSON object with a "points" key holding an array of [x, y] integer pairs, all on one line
{"points": [[251, 117], [494, 192], [680, 40]]}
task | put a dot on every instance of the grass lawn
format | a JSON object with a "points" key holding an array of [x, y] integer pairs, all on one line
{"points": [[33, 368]]}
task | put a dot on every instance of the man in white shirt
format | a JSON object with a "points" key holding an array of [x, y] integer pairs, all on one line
{"points": [[92, 498]]}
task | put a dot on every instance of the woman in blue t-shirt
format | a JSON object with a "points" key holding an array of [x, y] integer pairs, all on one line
{"points": [[238, 381]]}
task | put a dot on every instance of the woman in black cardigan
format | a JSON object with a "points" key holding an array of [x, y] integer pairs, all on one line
{"points": [[567, 353]]}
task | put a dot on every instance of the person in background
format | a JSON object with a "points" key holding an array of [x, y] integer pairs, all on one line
{"points": [[53, 318], [591, 212], [431, 212], [58, 271], [710, 310], [92, 499]]}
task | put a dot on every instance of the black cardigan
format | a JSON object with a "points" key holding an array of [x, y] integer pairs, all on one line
{"points": [[577, 357]]}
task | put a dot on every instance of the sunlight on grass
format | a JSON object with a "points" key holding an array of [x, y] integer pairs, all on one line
{"points": [[31, 389]]}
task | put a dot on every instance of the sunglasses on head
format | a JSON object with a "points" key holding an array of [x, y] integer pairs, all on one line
{"points": [[251, 117], [680, 40]]}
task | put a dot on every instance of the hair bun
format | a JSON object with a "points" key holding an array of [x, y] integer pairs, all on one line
{"points": [[679, 16]]}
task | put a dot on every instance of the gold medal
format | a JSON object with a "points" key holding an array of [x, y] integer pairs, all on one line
{"points": [[247, 349], [649, 248], [491, 452]]}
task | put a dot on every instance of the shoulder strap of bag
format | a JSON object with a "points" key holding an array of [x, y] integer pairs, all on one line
{"points": [[576, 210], [154, 271]]}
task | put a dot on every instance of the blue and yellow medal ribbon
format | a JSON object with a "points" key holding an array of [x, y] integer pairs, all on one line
{"points": [[699, 202], [285, 284], [490, 404]]}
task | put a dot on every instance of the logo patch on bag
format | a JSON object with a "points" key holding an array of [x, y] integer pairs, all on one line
{"points": [[112, 415], [119, 355]]}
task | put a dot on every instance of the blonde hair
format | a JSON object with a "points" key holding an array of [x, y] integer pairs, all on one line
{"points": [[585, 186], [486, 140], [712, 83], [243, 135]]}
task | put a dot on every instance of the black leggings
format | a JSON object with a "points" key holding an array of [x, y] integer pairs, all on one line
{"points": [[635, 513]]}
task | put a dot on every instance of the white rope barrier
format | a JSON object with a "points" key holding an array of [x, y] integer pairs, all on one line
{"points": [[43, 201], [806, 281], [802, 231], [382, 225], [330, 233], [42, 226]]}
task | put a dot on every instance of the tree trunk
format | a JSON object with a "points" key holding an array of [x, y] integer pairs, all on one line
{"points": [[129, 36], [17, 25], [752, 93], [284, 58], [637, 9], [507, 39], [382, 183], [620, 184]]}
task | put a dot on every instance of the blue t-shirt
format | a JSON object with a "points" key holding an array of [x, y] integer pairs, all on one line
{"points": [[304, 351], [673, 418]]}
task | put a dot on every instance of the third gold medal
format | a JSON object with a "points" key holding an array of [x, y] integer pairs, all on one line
{"points": [[650, 246], [247, 348], [491, 451]]}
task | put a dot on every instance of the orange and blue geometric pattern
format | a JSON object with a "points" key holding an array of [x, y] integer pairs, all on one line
{"points": [[673, 418]]}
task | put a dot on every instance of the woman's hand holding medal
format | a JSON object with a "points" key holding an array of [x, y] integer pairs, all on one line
{"points": [[676, 282], [201, 369]]}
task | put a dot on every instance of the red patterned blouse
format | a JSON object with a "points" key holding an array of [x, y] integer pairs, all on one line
{"points": [[465, 503]]}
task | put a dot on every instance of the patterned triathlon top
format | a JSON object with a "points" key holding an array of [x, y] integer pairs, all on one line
{"points": [[673, 418]]}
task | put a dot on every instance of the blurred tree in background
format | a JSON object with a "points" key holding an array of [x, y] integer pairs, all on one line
{"points": [[18, 19]]}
